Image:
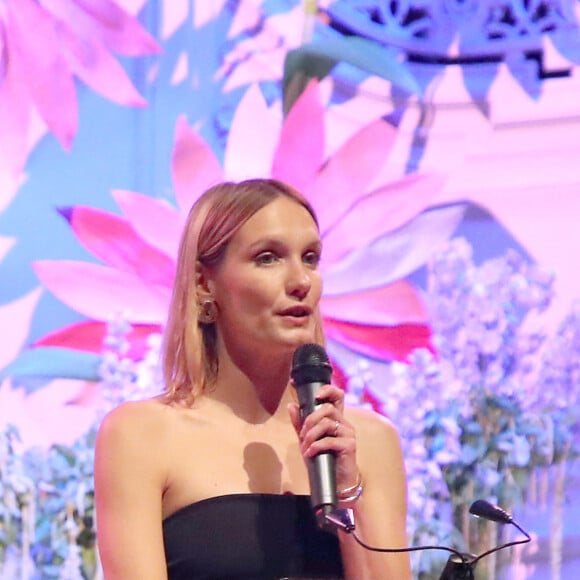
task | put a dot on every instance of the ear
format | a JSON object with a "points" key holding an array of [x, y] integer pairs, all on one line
{"points": [[203, 283]]}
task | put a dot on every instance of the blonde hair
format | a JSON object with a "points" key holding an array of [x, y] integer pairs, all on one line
{"points": [[189, 349]]}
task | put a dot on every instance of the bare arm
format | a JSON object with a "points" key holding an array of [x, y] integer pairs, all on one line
{"points": [[367, 443], [129, 483], [381, 511]]}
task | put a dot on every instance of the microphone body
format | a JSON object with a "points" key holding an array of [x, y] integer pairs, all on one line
{"points": [[310, 371]]}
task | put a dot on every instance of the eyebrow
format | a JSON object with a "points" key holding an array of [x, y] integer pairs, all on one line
{"points": [[272, 241]]}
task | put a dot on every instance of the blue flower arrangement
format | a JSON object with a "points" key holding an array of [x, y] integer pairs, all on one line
{"points": [[498, 399]]}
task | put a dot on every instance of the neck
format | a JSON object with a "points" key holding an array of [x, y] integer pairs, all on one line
{"points": [[255, 388]]}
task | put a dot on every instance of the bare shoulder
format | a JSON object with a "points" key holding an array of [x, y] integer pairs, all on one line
{"points": [[378, 441], [380, 459], [136, 422], [370, 425]]}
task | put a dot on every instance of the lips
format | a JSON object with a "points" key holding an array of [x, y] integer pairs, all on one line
{"points": [[297, 311]]}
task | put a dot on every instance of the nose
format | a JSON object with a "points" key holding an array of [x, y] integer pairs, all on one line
{"points": [[299, 280]]}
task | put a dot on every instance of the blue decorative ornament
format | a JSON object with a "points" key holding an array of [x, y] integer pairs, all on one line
{"points": [[455, 30]]}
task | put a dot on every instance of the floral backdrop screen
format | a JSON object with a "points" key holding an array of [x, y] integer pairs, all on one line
{"points": [[438, 143]]}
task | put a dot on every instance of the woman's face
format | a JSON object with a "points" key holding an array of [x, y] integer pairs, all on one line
{"points": [[268, 285]]}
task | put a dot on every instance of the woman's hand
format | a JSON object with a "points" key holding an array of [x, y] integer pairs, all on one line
{"points": [[326, 429]]}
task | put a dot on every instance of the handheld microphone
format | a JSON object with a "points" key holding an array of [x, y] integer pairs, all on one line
{"points": [[310, 371]]}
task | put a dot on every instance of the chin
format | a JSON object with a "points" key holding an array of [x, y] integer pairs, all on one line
{"points": [[301, 338], [288, 340]]}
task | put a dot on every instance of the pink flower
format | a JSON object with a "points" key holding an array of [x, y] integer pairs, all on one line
{"points": [[44, 48], [375, 232]]}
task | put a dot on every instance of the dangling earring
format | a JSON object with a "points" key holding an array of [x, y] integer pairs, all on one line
{"points": [[207, 312]]}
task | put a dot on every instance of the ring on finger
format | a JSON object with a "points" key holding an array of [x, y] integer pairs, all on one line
{"points": [[336, 427]]}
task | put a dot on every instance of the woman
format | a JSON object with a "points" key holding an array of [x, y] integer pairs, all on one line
{"points": [[209, 480]]}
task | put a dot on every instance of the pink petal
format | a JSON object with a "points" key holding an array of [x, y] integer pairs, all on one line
{"points": [[17, 317], [345, 119], [252, 138], [257, 69], [194, 165], [9, 185], [375, 400], [396, 303], [384, 210], [380, 342], [34, 50], [83, 336], [132, 6], [154, 220], [204, 12], [63, 423], [300, 151], [339, 376], [114, 241], [173, 15], [45, 417], [98, 69], [13, 412], [100, 292], [89, 336], [89, 394], [107, 21], [14, 123], [350, 172], [6, 244], [246, 16], [260, 57], [394, 255]]}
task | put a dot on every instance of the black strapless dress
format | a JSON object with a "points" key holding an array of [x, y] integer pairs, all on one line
{"points": [[249, 537]]}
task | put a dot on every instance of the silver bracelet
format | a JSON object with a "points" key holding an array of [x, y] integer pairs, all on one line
{"points": [[352, 493]]}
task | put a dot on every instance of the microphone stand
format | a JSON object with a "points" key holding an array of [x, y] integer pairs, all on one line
{"points": [[465, 570], [483, 509], [460, 566]]}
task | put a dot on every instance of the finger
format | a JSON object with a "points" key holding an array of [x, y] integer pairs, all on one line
{"points": [[327, 427], [294, 412], [331, 394], [338, 445], [321, 413]]}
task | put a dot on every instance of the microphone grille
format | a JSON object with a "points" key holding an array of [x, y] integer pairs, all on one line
{"points": [[309, 354], [310, 364]]}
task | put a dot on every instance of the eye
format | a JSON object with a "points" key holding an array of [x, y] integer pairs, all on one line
{"points": [[312, 258], [265, 258]]}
